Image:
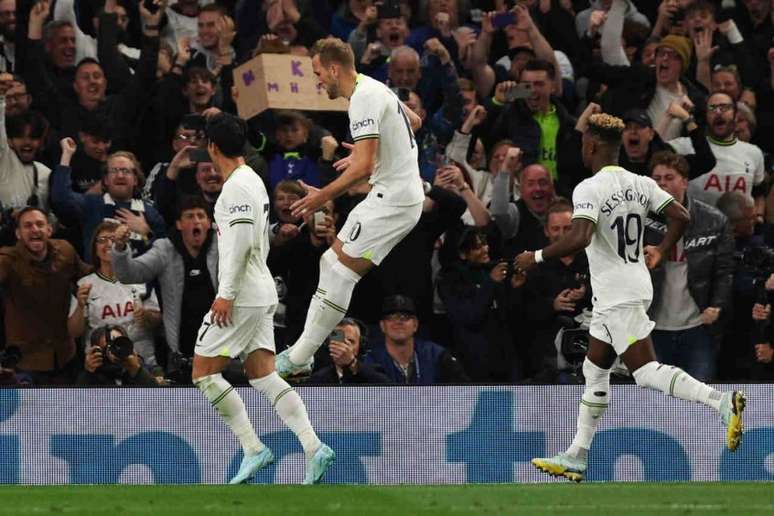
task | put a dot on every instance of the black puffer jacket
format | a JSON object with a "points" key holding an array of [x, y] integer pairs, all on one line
{"points": [[709, 248]]}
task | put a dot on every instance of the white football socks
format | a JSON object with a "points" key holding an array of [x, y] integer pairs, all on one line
{"points": [[290, 408], [328, 307], [593, 405], [231, 408], [673, 381]]}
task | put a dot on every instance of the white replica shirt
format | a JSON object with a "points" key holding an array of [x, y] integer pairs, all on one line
{"points": [[242, 217], [739, 168], [617, 201], [376, 112], [111, 302]]}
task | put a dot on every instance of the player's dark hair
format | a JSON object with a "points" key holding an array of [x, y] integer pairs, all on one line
{"points": [[228, 133]]}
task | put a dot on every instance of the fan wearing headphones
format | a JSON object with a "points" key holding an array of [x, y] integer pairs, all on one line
{"points": [[346, 344]]}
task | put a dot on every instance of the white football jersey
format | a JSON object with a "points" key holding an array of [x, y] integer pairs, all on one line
{"points": [[242, 218], [618, 201], [739, 167], [376, 112], [111, 302]]}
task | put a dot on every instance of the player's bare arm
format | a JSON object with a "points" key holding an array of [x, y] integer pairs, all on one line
{"points": [[576, 240], [677, 220], [361, 165]]}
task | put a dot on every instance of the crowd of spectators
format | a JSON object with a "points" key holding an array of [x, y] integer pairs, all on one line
{"points": [[97, 252]]}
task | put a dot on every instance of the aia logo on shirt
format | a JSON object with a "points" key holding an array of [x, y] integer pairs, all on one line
{"points": [[117, 311], [725, 183], [362, 124]]}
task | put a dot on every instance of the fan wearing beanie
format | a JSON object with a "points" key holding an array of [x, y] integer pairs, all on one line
{"points": [[673, 56]]}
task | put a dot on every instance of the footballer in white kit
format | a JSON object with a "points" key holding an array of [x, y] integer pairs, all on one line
{"points": [[385, 153], [609, 211], [393, 206], [242, 218], [240, 322], [617, 202]]}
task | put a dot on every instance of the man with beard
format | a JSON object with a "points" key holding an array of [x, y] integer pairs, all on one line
{"points": [[37, 276], [186, 266], [385, 154], [7, 30], [23, 181], [740, 165], [122, 181]]}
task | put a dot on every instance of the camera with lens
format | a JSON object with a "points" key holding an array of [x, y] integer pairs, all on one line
{"points": [[120, 347], [10, 357]]}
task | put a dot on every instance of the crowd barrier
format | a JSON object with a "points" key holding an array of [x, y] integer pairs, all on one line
{"points": [[382, 435]]}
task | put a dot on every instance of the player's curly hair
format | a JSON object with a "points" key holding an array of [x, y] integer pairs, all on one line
{"points": [[607, 128]]}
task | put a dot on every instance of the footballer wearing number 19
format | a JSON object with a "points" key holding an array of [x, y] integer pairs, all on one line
{"points": [[608, 213]]}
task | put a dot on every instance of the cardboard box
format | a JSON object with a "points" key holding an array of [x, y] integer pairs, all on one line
{"points": [[281, 81]]}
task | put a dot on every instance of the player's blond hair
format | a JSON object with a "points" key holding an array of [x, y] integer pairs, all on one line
{"points": [[334, 51], [607, 128]]}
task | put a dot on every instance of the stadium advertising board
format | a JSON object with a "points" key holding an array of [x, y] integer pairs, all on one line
{"points": [[382, 435]]}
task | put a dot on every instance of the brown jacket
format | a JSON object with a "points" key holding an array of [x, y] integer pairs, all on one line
{"points": [[36, 299]]}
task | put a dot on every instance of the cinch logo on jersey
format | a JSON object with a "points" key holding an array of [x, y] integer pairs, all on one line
{"points": [[362, 124], [584, 206], [240, 208], [622, 196]]}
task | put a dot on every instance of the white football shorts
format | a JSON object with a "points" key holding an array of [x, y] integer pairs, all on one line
{"points": [[622, 325], [251, 328], [373, 229]]}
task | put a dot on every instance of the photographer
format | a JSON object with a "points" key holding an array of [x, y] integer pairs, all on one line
{"points": [[111, 360], [558, 291], [346, 346]]}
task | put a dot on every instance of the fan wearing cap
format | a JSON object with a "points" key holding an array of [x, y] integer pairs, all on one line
{"points": [[641, 141], [407, 359]]}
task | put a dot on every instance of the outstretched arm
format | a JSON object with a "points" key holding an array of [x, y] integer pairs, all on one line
{"points": [[576, 240], [355, 168]]}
